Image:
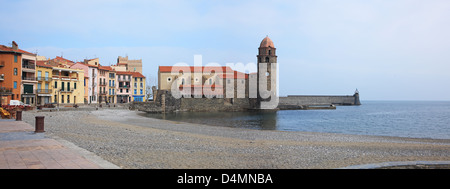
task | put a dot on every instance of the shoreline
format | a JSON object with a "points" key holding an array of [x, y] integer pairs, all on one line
{"points": [[132, 141]]}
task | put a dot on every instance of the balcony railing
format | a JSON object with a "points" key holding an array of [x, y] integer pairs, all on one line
{"points": [[29, 66], [66, 91], [29, 78], [43, 91], [125, 86], [43, 78], [124, 79], [102, 84], [4, 90]]}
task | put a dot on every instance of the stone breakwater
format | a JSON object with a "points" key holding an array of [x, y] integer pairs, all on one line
{"points": [[129, 140]]}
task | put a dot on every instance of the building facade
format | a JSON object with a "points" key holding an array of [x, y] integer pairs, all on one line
{"points": [[44, 87], [138, 87], [124, 94], [12, 85], [67, 85]]}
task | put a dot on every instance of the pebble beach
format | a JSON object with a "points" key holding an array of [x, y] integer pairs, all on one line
{"points": [[131, 141]]}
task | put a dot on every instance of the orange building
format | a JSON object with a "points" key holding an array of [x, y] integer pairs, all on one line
{"points": [[11, 72]]}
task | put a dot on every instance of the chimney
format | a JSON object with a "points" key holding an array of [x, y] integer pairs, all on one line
{"points": [[14, 45]]}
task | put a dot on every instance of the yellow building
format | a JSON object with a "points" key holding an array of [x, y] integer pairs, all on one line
{"points": [[138, 87], [68, 85]]}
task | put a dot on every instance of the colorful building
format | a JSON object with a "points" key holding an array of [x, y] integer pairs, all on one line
{"points": [[138, 87], [68, 85], [11, 85], [44, 89]]}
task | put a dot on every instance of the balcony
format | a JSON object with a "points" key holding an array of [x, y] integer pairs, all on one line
{"points": [[102, 83], [29, 66], [28, 79], [65, 78], [66, 90], [124, 86], [124, 79], [103, 93], [43, 91], [4, 90], [43, 79]]}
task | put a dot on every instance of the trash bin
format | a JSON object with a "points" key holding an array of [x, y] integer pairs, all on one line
{"points": [[39, 125], [19, 115]]}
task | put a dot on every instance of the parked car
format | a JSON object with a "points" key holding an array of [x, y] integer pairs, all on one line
{"points": [[17, 103]]}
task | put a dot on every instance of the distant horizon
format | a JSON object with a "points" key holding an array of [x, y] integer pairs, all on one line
{"points": [[388, 50]]}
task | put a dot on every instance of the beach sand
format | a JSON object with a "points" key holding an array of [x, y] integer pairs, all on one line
{"points": [[132, 141]]}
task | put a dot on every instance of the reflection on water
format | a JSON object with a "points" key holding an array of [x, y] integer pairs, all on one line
{"points": [[249, 120], [404, 119]]}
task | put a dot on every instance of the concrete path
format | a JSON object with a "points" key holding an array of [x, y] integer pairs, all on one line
{"points": [[22, 148]]}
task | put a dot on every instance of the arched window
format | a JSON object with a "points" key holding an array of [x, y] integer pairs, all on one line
{"points": [[270, 52]]}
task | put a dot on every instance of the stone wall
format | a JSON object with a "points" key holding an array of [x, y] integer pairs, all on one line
{"points": [[301, 100], [214, 104]]}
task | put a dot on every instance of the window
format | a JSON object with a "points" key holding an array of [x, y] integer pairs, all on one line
{"points": [[74, 85], [169, 79], [62, 98], [210, 81], [62, 86], [56, 84], [135, 84], [135, 79], [15, 71], [68, 86], [68, 98], [142, 92], [267, 59], [141, 79], [15, 84], [46, 76], [15, 58], [270, 52], [135, 91], [142, 85], [39, 75]]}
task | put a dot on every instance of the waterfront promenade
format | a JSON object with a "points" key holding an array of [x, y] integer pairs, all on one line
{"points": [[22, 148]]}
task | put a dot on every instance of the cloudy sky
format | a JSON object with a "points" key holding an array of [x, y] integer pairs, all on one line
{"points": [[388, 49]]}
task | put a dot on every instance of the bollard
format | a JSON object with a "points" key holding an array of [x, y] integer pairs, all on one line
{"points": [[19, 116], [39, 126]]}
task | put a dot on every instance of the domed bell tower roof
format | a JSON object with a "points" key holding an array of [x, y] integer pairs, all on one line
{"points": [[266, 42]]}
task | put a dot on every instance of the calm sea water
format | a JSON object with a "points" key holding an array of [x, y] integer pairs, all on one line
{"points": [[384, 118]]}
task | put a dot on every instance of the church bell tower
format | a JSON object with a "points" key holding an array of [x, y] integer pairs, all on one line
{"points": [[267, 76]]}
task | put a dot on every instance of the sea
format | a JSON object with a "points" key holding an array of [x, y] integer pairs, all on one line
{"points": [[413, 119]]}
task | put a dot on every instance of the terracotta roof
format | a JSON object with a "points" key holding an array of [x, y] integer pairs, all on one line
{"points": [[225, 69], [42, 63], [134, 74], [267, 42], [4, 48], [105, 68], [63, 59]]}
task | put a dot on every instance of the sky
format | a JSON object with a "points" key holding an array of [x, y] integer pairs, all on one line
{"points": [[387, 49]]}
